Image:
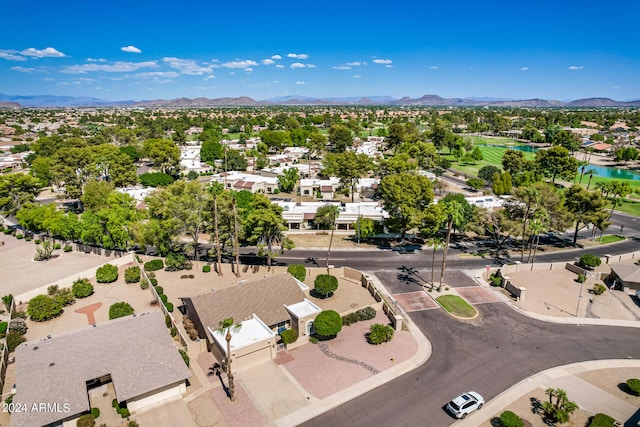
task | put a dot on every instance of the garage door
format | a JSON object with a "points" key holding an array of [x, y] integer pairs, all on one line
{"points": [[253, 358]]}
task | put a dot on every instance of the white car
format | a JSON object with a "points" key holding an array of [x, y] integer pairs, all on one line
{"points": [[465, 404]]}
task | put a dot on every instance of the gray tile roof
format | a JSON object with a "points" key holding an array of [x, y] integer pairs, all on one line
{"points": [[137, 352], [627, 273], [266, 298]]}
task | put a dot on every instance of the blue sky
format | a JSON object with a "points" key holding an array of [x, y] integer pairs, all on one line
{"points": [[140, 50]]}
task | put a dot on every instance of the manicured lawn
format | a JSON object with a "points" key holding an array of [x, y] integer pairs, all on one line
{"points": [[494, 141], [456, 306], [629, 206], [491, 156], [634, 183], [610, 239]]}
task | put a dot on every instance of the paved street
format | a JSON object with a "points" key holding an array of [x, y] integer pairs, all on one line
{"points": [[487, 354]]}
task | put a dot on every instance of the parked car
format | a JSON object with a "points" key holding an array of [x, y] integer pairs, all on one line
{"points": [[465, 404]]}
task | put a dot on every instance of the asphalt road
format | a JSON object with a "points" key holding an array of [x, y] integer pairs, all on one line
{"points": [[487, 354]]}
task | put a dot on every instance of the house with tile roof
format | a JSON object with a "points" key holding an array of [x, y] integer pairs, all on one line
{"points": [[263, 308], [134, 353]]}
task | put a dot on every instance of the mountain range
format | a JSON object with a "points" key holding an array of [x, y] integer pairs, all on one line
{"points": [[9, 101]]}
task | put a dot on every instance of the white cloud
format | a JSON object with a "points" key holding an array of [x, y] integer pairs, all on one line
{"points": [[240, 64], [279, 66], [357, 76], [355, 64], [268, 61], [311, 65], [10, 55], [300, 83], [116, 67], [576, 67], [434, 67], [24, 69], [388, 66], [130, 49], [248, 69], [209, 77], [297, 65], [276, 57], [48, 52], [382, 61], [298, 55], [188, 66], [341, 67], [96, 60], [158, 74], [524, 69]]}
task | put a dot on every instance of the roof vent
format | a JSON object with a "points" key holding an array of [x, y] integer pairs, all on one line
{"points": [[94, 325], [52, 363], [35, 347]]}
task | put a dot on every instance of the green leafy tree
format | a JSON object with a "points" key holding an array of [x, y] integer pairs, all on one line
{"points": [[406, 196], [626, 154], [325, 284], [298, 271], [557, 162], [327, 324], [164, 154], [396, 136], [288, 180], [619, 191], [349, 167], [487, 172], [234, 160], [72, 167], [227, 328], [16, 190], [95, 195], [41, 169], [583, 207], [155, 179], [340, 138], [265, 226], [455, 209], [475, 183]]}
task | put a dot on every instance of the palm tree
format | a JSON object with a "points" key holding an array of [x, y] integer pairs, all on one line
{"points": [[227, 327], [436, 242], [537, 225], [235, 237], [591, 173], [215, 189], [455, 217], [328, 214]]}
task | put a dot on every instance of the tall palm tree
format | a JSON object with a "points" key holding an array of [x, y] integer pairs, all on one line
{"points": [[455, 217], [537, 225], [328, 215], [591, 173], [436, 242], [227, 328], [235, 237], [216, 188]]}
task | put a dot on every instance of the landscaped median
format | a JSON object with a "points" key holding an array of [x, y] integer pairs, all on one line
{"points": [[457, 306]]}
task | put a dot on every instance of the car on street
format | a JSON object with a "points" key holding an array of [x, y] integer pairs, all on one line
{"points": [[465, 404]]}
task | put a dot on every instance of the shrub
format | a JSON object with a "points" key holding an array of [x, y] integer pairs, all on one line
{"points": [[37, 241], [163, 298], [366, 313], [175, 262], [82, 288], [67, 248], [57, 246], [27, 239], [379, 333], [601, 420], [633, 384], [95, 412], [43, 307], [327, 324], [589, 261], [495, 280], [18, 326], [108, 273], [6, 300], [350, 318], [154, 281], [174, 331], [289, 336], [206, 269], [120, 309], [133, 423], [132, 274], [581, 278], [599, 289], [124, 412], [510, 419], [52, 290], [169, 306], [185, 356], [159, 290], [86, 421], [144, 284], [154, 265], [325, 284], [19, 236], [3, 327], [64, 296], [14, 340], [298, 271]]}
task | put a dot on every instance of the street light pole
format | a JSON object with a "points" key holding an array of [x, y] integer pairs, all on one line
{"points": [[579, 298], [359, 217]]}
